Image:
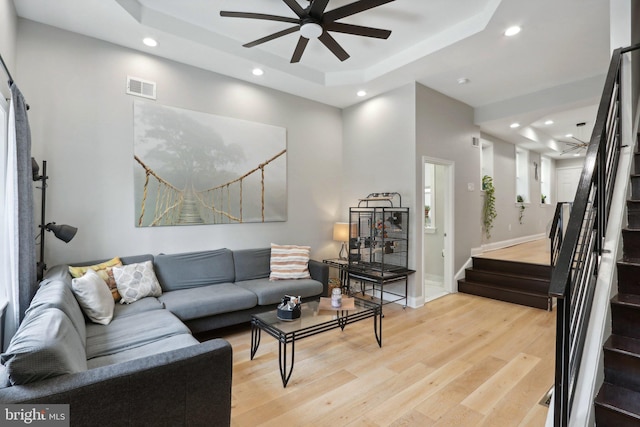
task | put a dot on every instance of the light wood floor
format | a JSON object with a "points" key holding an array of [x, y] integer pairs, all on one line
{"points": [[535, 252], [460, 361]]}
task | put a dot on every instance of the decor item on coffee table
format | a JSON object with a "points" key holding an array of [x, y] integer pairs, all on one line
{"points": [[313, 321]]}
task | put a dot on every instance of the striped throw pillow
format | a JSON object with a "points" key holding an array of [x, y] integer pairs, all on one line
{"points": [[289, 262]]}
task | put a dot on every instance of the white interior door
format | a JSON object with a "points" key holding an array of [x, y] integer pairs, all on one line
{"points": [[567, 183], [437, 233]]}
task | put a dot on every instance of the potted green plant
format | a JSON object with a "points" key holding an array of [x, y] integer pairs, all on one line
{"points": [[543, 199], [489, 207], [521, 207]]}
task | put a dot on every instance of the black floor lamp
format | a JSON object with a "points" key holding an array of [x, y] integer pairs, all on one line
{"points": [[63, 232]]}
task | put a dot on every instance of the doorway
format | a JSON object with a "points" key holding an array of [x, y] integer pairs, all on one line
{"points": [[437, 228]]}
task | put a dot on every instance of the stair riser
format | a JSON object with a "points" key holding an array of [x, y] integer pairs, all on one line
{"points": [[622, 369], [510, 267], [629, 279], [504, 295], [631, 245], [636, 163], [635, 187], [521, 283], [633, 214], [625, 320], [607, 417]]}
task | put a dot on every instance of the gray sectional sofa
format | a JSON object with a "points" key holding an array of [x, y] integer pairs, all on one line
{"points": [[145, 367]]}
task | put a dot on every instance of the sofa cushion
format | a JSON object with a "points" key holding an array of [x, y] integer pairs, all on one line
{"points": [[194, 269], [142, 305], [166, 344], [136, 281], [204, 301], [271, 292], [124, 333], [252, 263], [56, 293], [46, 345], [94, 297]]}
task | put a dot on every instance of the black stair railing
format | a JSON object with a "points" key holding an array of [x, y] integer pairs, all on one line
{"points": [[576, 268], [558, 228]]}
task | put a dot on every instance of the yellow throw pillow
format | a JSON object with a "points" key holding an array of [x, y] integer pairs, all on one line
{"points": [[104, 271]]}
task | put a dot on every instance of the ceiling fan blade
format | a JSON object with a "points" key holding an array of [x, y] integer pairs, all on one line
{"points": [[293, 5], [352, 9], [300, 47], [318, 7], [264, 16], [272, 36], [333, 46], [357, 30]]}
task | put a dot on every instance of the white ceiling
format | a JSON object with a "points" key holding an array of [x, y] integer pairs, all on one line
{"points": [[554, 69]]}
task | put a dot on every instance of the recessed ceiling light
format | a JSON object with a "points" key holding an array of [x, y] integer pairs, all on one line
{"points": [[569, 135], [150, 42], [514, 125], [548, 122], [361, 93], [463, 81], [512, 31], [257, 71]]}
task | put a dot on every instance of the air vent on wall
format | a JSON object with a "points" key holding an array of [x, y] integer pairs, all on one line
{"points": [[140, 87]]}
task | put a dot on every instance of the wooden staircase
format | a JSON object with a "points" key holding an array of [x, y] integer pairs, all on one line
{"points": [[618, 401], [511, 281]]}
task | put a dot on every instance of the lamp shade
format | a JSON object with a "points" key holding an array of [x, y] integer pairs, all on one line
{"points": [[341, 231], [63, 232]]}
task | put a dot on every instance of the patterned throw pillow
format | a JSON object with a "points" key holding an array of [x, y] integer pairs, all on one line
{"points": [[136, 281], [94, 297], [104, 270], [289, 262]]}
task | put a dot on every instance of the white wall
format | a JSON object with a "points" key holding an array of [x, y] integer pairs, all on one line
{"points": [[379, 156], [445, 131], [537, 217], [8, 29], [82, 124]]}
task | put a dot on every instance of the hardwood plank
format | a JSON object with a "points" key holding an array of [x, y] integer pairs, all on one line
{"points": [[485, 398], [535, 252], [461, 360]]}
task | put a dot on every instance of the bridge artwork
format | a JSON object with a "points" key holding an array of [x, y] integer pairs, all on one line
{"points": [[194, 168], [189, 206]]}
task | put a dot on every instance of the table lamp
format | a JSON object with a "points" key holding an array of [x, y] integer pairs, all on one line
{"points": [[341, 234]]}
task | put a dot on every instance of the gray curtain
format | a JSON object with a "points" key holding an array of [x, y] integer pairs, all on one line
{"points": [[27, 274]]}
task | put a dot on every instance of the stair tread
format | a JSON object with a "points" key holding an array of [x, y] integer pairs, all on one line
{"points": [[626, 299], [620, 399], [629, 263], [622, 344]]}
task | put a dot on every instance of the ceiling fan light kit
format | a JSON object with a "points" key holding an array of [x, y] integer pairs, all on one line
{"points": [[313, 22], [310, 30]]}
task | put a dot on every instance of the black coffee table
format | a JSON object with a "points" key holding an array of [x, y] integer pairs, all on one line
{"points": [[313, 321]]}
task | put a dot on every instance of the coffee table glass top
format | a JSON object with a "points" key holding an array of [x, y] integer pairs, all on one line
{"points": [[311, 316]]}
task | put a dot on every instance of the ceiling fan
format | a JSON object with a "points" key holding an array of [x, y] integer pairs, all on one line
{"points": [[575, 146], [313, 22]]}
